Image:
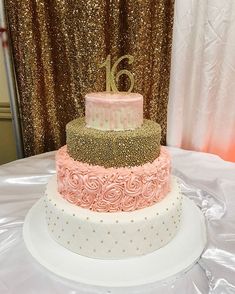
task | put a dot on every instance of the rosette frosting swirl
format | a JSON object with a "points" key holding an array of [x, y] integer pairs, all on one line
{"points": [[112, 189]]}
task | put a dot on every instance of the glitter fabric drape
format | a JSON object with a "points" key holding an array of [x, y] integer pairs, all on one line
{"points": [[58, 46]]}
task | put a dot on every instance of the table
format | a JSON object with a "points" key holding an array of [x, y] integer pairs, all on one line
{"points": [[205, 178]]}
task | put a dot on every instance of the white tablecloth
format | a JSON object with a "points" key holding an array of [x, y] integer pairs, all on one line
{"points": [[206, 178]]}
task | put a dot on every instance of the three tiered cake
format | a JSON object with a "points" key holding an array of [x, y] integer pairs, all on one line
{"points": [[113, 195]]}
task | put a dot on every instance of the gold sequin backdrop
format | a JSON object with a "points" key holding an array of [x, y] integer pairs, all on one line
{"points": [[57, 47]]}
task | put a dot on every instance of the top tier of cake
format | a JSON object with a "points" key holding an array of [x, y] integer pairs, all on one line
{"points": [[108, 111]]}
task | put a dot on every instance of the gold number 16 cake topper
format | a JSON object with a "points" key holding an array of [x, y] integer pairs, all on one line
{"points": [[110, 73]]}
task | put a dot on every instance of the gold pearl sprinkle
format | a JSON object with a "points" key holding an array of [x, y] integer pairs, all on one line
{"points": [[130, 148]]}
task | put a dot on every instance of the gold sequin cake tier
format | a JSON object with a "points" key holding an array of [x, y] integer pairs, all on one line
{"points": [[113, 148]]}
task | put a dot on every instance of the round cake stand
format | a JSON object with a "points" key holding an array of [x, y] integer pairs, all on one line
{"points": [[174, 258]]}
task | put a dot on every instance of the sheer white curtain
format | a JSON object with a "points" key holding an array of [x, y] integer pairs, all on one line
{"points": [[201, 109]]}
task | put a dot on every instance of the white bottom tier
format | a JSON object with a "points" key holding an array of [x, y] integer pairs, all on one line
{"points": [[112, 235], [174, 258]]}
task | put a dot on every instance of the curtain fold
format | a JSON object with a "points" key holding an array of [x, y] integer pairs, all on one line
{"points": [[58, 46], [201, 110]]}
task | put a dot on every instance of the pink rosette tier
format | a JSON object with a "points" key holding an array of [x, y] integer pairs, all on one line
{"points": [[112, 189]]}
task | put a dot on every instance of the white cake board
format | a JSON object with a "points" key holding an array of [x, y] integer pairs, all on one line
{"points": [[174, 258]]}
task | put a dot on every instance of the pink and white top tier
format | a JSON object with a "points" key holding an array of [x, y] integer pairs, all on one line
{"points": [[108, 111]]}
